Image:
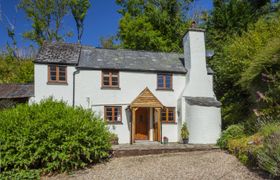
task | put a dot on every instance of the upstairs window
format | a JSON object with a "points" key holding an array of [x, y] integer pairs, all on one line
{"points": [[164, 81], [110, 79], [57, 74], [168, 115], [113, 114]]}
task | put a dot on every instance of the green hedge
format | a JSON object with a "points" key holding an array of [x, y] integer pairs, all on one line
{"points": [[232, 132], [51, 136]]}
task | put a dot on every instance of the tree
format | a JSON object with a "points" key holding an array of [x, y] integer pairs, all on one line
{"points": [[231, 17], [153, 25], [46, 17], [79, 10], [239, 63], [108, 42]]}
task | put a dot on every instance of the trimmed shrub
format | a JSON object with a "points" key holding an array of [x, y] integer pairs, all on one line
{"points": [[51, 136], [269, 156], [232, 132]]}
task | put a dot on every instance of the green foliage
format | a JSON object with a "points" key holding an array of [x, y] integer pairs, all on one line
{"points": [[232, 132], [108, 42], [153, 25], [20, 174], [245, 148], [269, 156], [16, 70], [269, 128], [232, 66], [230, 17], [6, 103], [51, 136], [79, 10], [184, 131], [46, 17]]}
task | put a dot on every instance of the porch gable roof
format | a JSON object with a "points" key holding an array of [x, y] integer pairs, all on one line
{"points": [[146, 99]]}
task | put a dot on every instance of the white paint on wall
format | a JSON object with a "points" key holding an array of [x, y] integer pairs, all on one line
{"points": [[44, 90], [204, 124]]}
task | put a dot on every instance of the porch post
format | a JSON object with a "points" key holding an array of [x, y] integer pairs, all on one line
{"points": [[158, 124], [133, 122]]}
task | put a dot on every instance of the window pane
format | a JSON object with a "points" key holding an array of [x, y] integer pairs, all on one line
{"points": [[109, 113], [163, 115], [115, 81], [168, 81], [105, 73], [106, 81], [53, 76], [62, 73], [160, 81], [115, 74], [52, 72]]}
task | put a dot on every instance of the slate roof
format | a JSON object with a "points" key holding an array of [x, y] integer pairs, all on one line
{"points": [[59, 53], [86, 57], [96, 58], [9, 91], [203, 101]]}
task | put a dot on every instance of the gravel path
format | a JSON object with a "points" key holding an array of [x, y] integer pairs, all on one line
{"points": [[188, 165]]}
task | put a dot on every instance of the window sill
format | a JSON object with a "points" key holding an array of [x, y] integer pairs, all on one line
{"points": [[112, 88], [168, 122], [158, 89], [57, 83], [114, 123]]}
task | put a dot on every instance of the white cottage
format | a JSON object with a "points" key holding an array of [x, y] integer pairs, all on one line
{"points": [[142, 95]]}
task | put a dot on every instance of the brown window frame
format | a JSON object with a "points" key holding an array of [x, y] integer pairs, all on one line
{"points": [[164, 81], [166, 111], [110, 79], [113, 114], [57, 74]]}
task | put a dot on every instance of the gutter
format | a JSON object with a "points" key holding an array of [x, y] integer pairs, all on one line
{"points": [[74, 84], [74, 75]]}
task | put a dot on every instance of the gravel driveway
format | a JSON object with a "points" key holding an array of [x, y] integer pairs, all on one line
{"points": [[188, 165]]}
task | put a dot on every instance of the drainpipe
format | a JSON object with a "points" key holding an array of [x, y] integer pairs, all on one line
{"points": [[74, 84]]}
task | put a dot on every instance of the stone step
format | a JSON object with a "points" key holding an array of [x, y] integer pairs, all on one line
{"points": [[140, 150]]}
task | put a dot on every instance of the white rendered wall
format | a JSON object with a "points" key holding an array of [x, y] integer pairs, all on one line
{"points": [[43, 90], [170, 131], [89, 94], [122, 130], [197, 82], [204, 124]]}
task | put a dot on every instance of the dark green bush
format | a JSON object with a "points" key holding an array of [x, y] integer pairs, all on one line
{"points": [[6, 103], [232, 132], [269, 156], [51, 136]]}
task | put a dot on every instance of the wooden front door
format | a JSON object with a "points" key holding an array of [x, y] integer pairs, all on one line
{"points": [[142, 124]]}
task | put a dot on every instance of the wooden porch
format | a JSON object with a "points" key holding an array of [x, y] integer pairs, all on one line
{"points": [[145, 99]]}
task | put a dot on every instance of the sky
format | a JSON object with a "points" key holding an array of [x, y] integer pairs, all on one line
{"points": [[101, 21]]}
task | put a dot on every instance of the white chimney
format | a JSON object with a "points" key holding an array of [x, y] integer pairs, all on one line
{"points": [[199, 84]]}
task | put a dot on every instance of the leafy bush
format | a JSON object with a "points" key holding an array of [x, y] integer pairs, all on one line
{"points": [[51, 136], [20, 174], [184, 131], [269, 156], [232, 132], [245, 148], [5, 103]]}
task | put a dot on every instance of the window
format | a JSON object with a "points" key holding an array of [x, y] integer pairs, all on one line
{"points": [[164, 81], [168, 115], [57, 74], [110, 79], [113, 114]]}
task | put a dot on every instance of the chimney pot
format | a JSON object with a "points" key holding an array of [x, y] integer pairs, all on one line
{"points": [[193, 24]]}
